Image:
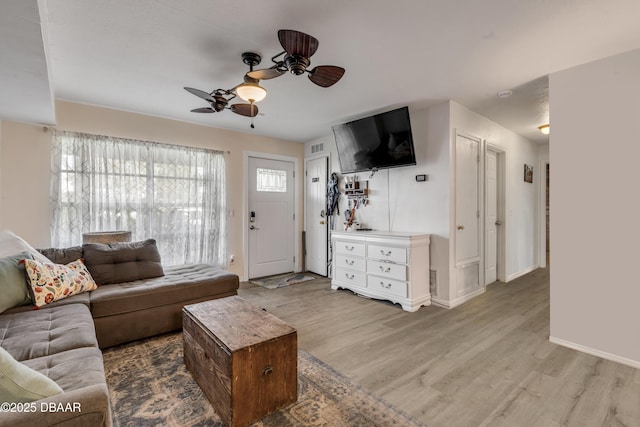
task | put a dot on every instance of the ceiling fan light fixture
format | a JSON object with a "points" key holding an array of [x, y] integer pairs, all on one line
{"points": [[251, 92], [544, 129]]}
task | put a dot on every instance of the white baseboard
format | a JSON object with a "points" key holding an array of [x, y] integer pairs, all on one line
{"points": [[439, 302], [457, 301], [521, 273], [594, 352]]}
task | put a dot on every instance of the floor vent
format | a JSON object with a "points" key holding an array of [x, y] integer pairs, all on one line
{"points": [[317, 148]]}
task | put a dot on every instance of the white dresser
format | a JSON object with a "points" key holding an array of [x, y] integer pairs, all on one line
{"points": [[383, 265]]}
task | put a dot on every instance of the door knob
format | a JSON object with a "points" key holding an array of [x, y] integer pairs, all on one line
{"points": [[498, 222], [253, 227], [461, 227], [321, 222]]}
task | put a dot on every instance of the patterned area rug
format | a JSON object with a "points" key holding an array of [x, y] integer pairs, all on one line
{"points": [[150, 386], [275, 282]]}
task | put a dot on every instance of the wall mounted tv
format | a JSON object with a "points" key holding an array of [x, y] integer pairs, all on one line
{"points": [[376, 142]]}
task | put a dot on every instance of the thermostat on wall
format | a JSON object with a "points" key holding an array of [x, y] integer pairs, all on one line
{"points": [[421, 178]]}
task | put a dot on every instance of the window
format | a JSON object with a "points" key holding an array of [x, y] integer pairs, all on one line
{"points": [[173, 194], [271, 180]]}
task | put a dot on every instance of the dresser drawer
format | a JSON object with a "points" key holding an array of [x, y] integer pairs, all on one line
{"points": [[387, 269], [350, 248], [357, 278], [387, 253], [387, 286], [348, 261]]}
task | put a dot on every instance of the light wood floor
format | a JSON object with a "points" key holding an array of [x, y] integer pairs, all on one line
{"points": [[486, 363]]}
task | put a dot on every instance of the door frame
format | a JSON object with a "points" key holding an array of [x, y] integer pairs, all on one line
{"points": [[297, 190], [542, 214], [308, 159], [501, 161]]}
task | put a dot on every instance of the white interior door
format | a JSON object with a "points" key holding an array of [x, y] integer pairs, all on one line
{"points": [[316, 220], [271, 217], [467, 237], [491, 217]]}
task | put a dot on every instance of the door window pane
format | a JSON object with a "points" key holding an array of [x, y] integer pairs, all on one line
{"points": [[271, 180]]}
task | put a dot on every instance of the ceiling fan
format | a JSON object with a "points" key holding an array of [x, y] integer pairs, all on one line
{"points": [[298, 49], [249, 90]]}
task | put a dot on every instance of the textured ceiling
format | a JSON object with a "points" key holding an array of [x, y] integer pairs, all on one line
{"points": [[138, 56]]}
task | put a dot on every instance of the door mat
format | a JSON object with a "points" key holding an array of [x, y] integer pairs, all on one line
{"points": [[274, 282]]}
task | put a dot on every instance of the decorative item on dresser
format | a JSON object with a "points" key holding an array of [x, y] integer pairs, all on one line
{"points": [[383, 265]]}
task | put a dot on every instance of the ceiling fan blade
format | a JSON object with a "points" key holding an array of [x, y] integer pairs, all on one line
{"points": [[203, 110], [297, 43], [249, 110], [201, 94], [326, 75], [266, 74]]}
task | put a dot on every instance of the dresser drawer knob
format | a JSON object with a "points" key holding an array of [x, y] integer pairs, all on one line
{"points": [[349, 248], [349, 277], [349, 261], [267, 370], [385, 270], [387, 253], [386, 286]]}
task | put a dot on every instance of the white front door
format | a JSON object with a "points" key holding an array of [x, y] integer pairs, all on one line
{"points": [[271, 217], [491, 217], [467, 237], [315, 212]]}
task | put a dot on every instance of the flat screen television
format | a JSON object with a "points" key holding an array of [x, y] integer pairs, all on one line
{"points": [[376, 142]]}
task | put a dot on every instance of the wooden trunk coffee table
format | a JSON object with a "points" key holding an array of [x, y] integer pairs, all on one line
{"points": [[244, 359]]}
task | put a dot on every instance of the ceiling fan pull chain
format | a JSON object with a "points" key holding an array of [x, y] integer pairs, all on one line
{"points": [[252, 115]]}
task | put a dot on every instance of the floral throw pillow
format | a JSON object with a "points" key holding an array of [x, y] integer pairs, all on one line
{"points": [[52, 282]]}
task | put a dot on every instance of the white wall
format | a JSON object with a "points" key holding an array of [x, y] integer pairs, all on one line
{"points": [[595, 220], [399, 203], [25, 164], [25, 171], [0, 171]]}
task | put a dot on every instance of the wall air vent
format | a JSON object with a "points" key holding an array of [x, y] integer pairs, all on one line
{"points": [[317, 148], [433, 281]]}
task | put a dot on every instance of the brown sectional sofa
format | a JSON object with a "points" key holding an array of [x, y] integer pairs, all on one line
{"points": [[63, 340], [154, 306]]}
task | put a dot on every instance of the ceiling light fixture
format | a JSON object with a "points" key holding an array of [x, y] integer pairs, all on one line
{"points": [[544, 129], [251, 91]]}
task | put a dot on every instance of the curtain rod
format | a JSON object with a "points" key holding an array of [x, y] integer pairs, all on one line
{"points": [[46, 129]]}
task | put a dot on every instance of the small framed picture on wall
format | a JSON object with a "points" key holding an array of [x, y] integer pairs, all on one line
{"points": [[528, 173]]}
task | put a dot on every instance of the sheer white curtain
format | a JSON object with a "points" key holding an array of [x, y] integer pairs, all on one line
{"points": [[170, 193]]}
